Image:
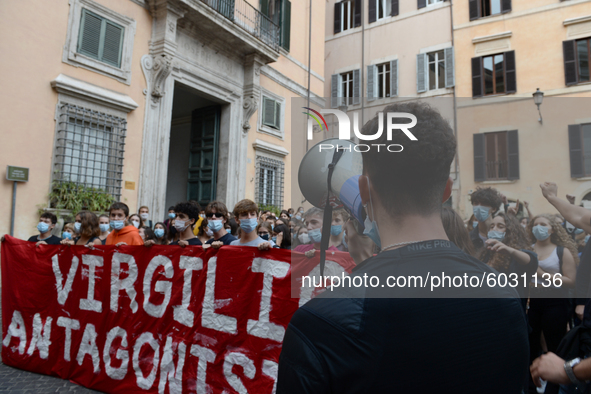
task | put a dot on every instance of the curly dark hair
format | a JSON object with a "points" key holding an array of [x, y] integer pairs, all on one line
{"points": [[411, 181], [188, 208], [486, 196], [515, 237]]}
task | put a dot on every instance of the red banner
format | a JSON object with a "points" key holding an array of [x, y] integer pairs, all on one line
{"points": [[162, 319]]}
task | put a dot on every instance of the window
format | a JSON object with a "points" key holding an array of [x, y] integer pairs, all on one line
{"points": [[271, 113], [494, 74], [269, 181], [89, 149], [278, 12], [579, 140], [380, 9], [483, 8], [577, 58], [383, 8], [347, 8], [429, 2], [347, 88], [383, 79], [496, 156], [100, 38], [436, 70], [583, 57], [347, 15]]}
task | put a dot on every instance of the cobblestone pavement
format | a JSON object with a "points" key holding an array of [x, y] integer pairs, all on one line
{"points": [[14, 380]]}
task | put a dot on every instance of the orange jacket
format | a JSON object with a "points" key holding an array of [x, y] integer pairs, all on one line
{"points": [[128, 234]]}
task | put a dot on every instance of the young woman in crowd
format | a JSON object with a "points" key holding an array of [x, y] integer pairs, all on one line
{"points": [[301, 237], [205, 233], [282, 236], [456, 230], [339, 218], [265, 231], [142, 232], [104, 227], [284, 215], [148, 234], [87, 230], [136, 221], [160, 235], [299, 215]]}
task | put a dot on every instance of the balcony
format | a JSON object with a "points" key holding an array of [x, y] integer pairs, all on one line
{"points": [[234, 24]]}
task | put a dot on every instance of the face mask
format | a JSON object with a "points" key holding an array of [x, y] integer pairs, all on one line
{"points": [[145, 216], [540, 232], [523, 225], [315, 235], [498, 235], [290, 215], [481, 213], [304, 238], [180, 225], [159, 232], [77, 227], [336, 230], [43, 227], [136, 223], [265, 237], [172, 215], [578, 231], [104, 227], [371, 227], [298, 217], [475, 224], [274, 239], [248, 225], [117, 224], [202, 215], [66, 235], [208, 232], [215, 225]]}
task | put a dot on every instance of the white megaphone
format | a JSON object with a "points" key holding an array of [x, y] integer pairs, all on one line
{"points": [[344, 184]]}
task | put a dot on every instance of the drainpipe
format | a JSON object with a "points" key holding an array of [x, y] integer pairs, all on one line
{"points": [[309, 67], [362, 73], [454, 89]]}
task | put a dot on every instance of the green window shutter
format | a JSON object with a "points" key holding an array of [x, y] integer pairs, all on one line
{"points": [[265, 7], [89, 39], [268, 112], [112, 44], [278, 115], [286, 25]]}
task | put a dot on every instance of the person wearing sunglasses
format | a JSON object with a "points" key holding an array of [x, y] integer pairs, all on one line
{"points": [[216, 213]]}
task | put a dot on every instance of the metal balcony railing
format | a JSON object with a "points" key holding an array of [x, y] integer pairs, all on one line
{"points": [[497, 170], [249, 18]]}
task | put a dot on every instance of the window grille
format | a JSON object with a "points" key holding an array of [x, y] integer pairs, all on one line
{"points": [[269, 181]]}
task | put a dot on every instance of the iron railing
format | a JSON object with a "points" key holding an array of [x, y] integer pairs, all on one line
{"points": [[497, 170], [249, 18]]}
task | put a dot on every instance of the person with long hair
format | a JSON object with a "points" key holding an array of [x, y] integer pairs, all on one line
{"points": [[456, 230], [205, 233], [282, 236], [87, 230], [104, 227], [160, 235], [549, 306], [136, 221]]}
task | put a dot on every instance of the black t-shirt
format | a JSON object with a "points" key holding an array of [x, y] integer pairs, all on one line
{"points": [[226, 239], [53, 240], [192, 242], [90, 241], [364, 344]]}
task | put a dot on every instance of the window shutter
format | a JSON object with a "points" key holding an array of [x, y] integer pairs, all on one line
{"points": [[479, 158], [575, 147], [394, 78], [512, 155], [422, 72], [277, 115], [90, 34], [357, 21], [112, 44], [394, 7], [505, 6], [510, 74], [449, 67], [371, 11], [334, 91], [268, 112], [476, 77], [286, 25], [356, 86], [570, 62], [421, 4], [474, 9], [337, 18], [265, 7], [370, 83]]}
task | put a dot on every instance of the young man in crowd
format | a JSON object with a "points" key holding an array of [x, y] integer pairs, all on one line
{"points": [[313, 218], [366, 339], [122, 234], [187, 214], [144, 213], [246, 213], [339, 218], [485, 203], [47, 222], [217, 217]]}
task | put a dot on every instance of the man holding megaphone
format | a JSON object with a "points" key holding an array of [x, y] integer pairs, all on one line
{"points": [[385, 336]]}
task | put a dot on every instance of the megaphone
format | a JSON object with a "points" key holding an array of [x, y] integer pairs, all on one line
{"points": [[344, 185]]}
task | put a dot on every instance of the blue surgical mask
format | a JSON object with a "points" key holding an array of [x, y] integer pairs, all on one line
{"points": [[298, 217], [498, 235], [290, 215], [481, 213], [336, 230], [540, 232], [117, 224], [43, 227], [315, 235], [371, 226], [475, 224], [77, 227], [248, 225], [272, 227], [215, 225], [578, 231], [66, 235], [104, 227], [172, 215], [274, 239], [159, 232], [265, 237]]}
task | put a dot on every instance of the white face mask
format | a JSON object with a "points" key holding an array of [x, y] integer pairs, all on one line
{"points": [[304, 238], [145, 216], [180, 225], [136, 223], [208, 232]]}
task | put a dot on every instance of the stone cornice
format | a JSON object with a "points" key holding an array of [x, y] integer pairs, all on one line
{"points": [[492, 37], [270, 148]]}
